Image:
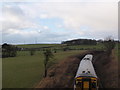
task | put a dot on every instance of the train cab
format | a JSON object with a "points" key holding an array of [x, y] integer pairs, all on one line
{"points": [[86, 78], [86, 83]]}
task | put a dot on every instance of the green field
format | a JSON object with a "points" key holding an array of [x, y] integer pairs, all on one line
{"points": [[60, 46], [25, 71], [37, 45], [117, 51]]}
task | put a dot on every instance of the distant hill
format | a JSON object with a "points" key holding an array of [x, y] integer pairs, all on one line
{"points": [[80, 42]]}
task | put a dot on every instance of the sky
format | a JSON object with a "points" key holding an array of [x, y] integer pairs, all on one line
{"points": [[51, 21]]}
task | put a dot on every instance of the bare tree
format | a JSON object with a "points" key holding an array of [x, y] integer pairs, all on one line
{"points": [[48, 54], [32, 52]]}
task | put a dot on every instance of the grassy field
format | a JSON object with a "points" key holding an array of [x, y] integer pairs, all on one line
{"points": [[21, 71], [37, 45], [24, 71], [60, 46], [117, 51], [98, 46]]}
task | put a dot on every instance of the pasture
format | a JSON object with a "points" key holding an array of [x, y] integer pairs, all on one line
{"points": [[117, 51], [60, 46], [24, 71], [37, 45]]}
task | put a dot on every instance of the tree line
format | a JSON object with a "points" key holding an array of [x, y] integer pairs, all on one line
{"points": [[80, 42], [11, 50], [8, 50], [87, 41]]}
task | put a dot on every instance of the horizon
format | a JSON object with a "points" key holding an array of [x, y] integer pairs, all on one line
{"points": [[50, 42]]}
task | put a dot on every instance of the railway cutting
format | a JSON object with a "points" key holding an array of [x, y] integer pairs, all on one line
{"points": [[72, 70]]}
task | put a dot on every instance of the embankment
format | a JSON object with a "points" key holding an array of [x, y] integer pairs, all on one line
{"points": [[62, 75]]}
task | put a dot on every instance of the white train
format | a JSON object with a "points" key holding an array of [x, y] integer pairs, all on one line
{"points": [[86, 77]]}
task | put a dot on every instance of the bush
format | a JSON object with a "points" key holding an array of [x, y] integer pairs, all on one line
{"points": [[47, 54], [9, 50], [32, 52], [109, 44]]}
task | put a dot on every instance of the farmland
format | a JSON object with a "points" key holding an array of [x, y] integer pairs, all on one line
{"points": [[37, 45], [60, 46], [117, 51], [25, 71]]}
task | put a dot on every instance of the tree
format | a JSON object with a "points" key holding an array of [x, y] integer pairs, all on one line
{"points": [[32, 52], [109, 44], [9, 50], [48, 54]]}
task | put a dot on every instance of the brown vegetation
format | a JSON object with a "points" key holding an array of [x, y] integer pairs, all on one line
{"points": [[107, 70], [62, 75]]}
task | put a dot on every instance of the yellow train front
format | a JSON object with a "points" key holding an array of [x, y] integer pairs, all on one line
{"points": [[86, 83], [86, 78]]}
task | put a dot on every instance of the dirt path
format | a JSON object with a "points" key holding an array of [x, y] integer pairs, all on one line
{"points": [[62, 74]]}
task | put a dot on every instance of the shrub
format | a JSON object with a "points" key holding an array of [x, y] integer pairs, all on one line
{"points": [[109, 44]]}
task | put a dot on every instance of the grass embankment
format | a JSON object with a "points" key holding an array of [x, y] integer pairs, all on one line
{"points": [[117, 51]]}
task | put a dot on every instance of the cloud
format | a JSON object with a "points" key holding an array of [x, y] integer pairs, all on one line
{"points": [[45, 27], [87, 20], [15, 21], [13, 17], [43, 16], [99, 17], [61, 0]]}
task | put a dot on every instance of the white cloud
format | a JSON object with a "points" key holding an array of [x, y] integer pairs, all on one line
{"points": [[59, 25], [60, 0], [15, 19], [43, 16], [100, 18], [20, 32], [45, 27]]}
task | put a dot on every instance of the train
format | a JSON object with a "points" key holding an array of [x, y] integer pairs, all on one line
{"points": [[86, 78]]}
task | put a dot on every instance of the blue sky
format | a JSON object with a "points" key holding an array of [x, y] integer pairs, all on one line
{"points": [[53, 22]]}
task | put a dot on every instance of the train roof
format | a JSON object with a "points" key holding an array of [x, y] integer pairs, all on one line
{"points": [[86, 67], [88, 57], [86, 75]]}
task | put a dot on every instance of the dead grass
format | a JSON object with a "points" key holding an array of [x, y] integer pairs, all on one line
{"points": [[107, 70], [62, 74]]}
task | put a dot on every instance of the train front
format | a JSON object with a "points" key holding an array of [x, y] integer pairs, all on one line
{"points": [[86, 78]]}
